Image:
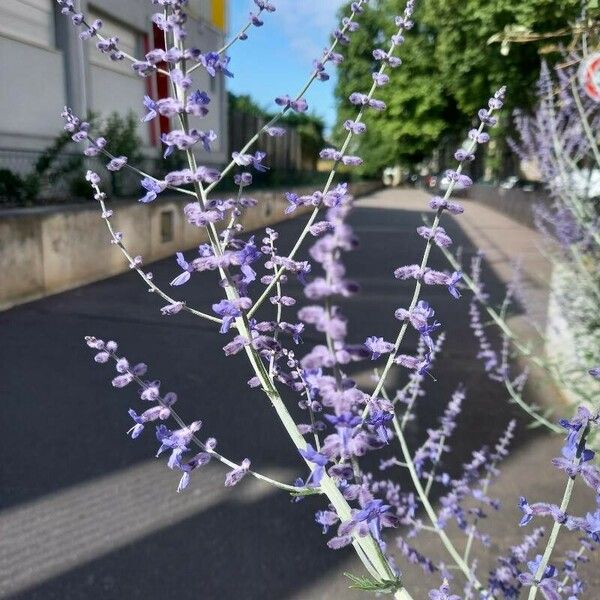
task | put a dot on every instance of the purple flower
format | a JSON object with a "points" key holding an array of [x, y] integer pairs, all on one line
{"points": [[592, 522], [152, 108], [574, 426], [195, 462], [117, 163], [539, 509], [229, 310], [460, 179], [352, 161], [481, 137], [443, 593], [330, 154], [438, 235], [197, 104], [358, 99], [534, 565], [326, 518], [438, 203], [381, 79], [152, 414], [451, 282], [265, 5], [255, 160], [93, 178], [236, 475], [370, 519], [418, 316], [153, 188], [173, 308], [178, 139], [416, 363], [527, 512], [276, 131], [461, 155], [318, 460], [377, 346], [486, 118], [243, 179], [213, 62], [178, 439], [187, 270], [356, 127], [300, 105], [379, 420]]}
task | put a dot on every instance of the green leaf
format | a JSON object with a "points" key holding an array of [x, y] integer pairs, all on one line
{"points": [[366, 584], [306, 492]]}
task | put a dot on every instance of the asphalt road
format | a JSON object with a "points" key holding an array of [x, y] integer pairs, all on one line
{"points": [[85, 512]]}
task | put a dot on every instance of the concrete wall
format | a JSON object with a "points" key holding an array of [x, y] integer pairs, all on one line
{"points": [[41, 53], [47, 250], [514, 203]]}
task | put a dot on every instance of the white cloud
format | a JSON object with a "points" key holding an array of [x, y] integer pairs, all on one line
{"points": [[307, 24]]}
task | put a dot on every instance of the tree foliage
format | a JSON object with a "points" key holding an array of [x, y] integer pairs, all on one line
{"points": [[449, 70]]}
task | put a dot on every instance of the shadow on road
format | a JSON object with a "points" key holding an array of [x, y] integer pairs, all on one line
{"points": [[64, 425]]}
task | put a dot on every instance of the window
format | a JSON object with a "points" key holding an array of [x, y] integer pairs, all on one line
{"points": [[28, 20], [130, 41], [166, 226]]}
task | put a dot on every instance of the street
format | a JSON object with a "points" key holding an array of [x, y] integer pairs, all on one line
{"points": [[86, 513]]}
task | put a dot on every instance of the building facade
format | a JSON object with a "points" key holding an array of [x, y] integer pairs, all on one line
{"points": [[45, 66]]}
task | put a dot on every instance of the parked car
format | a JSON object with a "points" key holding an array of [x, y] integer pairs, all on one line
{"points": [[584, 183], [515, 182], [443, 183]]}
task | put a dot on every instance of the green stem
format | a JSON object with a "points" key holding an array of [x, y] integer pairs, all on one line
{"points": [[517, 398], [550, 367], [438, 455], [557, 526], [325, 190], [447, 543], [418, 285]]}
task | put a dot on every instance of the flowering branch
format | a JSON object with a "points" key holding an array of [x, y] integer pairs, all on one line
{"points": [[416, 481], [419, 272], [150, 392], [241, 35], [108, 46], [135, 263], [548, 365], [328, 55], [575, 447], [354, 127]]}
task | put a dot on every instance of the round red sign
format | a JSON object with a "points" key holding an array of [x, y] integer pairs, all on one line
{"points": [[589, 76]]}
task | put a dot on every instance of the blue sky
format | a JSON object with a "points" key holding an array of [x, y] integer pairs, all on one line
{"points": [[276, 58]]}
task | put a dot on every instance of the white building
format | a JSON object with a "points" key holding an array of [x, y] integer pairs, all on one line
{"points": [[45, 66]]}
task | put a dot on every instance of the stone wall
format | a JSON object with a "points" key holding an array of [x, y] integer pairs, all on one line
{"points": [[515, 203], [48, 250]]}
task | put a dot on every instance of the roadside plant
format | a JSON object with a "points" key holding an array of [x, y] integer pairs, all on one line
{"points": [[559, 141], [342, 423]]}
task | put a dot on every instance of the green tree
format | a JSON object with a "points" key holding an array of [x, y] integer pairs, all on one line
{"points": [[449, 71], [123, 140]]}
